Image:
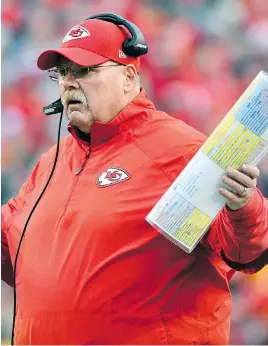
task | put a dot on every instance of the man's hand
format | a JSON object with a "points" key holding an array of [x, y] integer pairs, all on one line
{"points": [[243, 183]]}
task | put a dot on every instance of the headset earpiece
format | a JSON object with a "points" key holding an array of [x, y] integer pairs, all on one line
{"points": [[134, 46]]}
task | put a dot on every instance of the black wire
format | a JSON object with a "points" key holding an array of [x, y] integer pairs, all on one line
{"points": [[25, 227]]}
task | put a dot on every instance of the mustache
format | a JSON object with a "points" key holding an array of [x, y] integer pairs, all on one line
{"points": [[76, 95]]}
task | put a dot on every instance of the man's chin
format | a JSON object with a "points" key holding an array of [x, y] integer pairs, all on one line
{"points": [[71, 116], [80, 120], [82, 127]]}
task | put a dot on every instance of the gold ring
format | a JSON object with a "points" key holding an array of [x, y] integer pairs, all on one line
{"points": [[243, 192]]}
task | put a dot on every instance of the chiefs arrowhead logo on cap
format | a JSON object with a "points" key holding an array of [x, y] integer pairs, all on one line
{"points": [[112, 176], [122, 54], [75, 33]]}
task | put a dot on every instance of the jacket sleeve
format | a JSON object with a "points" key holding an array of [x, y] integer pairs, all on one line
{"points": [[8, 212], [241, 237], [6, 265]]}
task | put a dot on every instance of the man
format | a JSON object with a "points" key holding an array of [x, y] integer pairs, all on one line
{"points": [[91, 270]]}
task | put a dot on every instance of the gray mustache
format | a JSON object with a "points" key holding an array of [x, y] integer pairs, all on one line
{"points": [[74, 96]]}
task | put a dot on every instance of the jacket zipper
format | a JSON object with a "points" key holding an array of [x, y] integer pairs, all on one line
{"points": [[84, 163]]}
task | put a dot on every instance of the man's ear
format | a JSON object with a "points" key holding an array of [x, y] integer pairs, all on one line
{"points": [[131, 77]]}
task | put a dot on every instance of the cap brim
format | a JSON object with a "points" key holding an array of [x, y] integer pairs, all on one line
{"points": [[49, 58]]}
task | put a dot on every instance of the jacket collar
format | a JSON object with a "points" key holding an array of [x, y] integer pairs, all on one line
{"points": [[131, 115]]}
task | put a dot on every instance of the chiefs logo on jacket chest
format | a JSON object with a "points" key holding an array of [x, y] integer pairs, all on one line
{"points": [[112, 176]]}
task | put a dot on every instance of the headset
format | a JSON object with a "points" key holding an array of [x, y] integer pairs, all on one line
{"points": [[134, 46]]}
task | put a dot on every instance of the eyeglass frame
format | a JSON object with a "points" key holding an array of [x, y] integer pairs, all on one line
{"points": [[55, 76]]}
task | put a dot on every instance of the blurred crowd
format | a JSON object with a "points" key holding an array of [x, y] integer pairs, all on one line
{"points": [[202, 56]]}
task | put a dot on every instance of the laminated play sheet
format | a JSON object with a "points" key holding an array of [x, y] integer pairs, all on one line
{"points": [[187, 209]]}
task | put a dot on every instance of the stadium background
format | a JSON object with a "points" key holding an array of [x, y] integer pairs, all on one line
{"points": [[202, 55]]}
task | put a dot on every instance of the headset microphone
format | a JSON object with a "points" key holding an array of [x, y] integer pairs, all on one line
{"points": [[53, 108]]}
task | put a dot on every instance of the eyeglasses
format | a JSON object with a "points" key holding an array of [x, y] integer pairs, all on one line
{"points": [[60, 72]]}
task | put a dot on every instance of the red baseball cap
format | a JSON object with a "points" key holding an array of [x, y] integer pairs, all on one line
{"points": [[92, 42]]}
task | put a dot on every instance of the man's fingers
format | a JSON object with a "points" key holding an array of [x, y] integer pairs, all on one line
{"points": [[232, 197], [241, 178], [235, 186], [242, 183], [251, 171]]}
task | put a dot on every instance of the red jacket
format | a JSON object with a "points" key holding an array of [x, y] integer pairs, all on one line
{"points": [[91, 270]]}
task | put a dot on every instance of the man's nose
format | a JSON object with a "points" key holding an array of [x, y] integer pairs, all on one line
{"points": [[69, 82]]}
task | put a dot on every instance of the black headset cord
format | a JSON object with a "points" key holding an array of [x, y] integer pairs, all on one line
{"points": [[25, 227]]}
